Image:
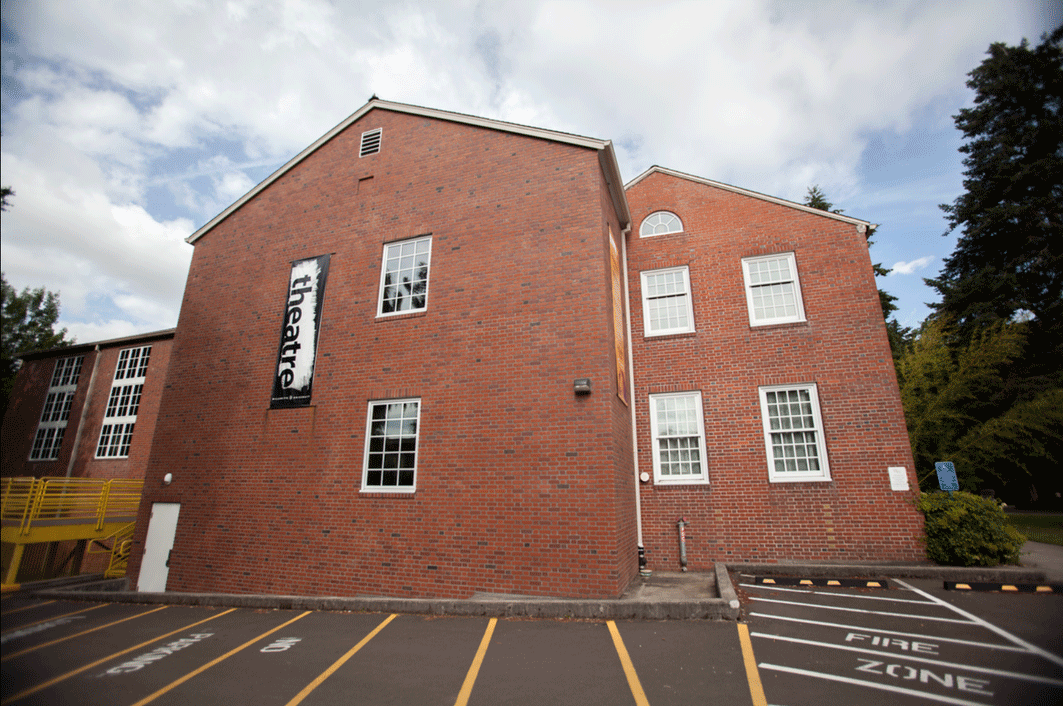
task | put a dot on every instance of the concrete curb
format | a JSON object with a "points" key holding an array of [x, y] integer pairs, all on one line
{"points": [[621, 609], [966, 574]]}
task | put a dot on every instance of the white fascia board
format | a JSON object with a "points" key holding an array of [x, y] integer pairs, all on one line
{"points": [[608, 164], [753, 194]]}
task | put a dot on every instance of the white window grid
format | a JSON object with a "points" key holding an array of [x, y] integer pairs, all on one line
{"points": [[793, 433], [773, 292], [56, 412], [678, 430], [404, 276], [370, 142], [660, 223], [392, 428], [123, 403], [667, 306]]}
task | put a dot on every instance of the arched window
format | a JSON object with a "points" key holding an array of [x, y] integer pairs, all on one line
{"points": [[660, 223]]}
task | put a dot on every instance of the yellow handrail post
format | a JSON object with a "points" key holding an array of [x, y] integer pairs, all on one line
{"points": [[12, 570], [40, 487], [101, 506]]}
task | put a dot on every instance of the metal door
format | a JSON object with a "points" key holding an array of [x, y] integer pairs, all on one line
{"points": [[155, 566]]}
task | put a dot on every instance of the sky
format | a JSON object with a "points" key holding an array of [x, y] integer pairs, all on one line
{"points": [[128, 125]]}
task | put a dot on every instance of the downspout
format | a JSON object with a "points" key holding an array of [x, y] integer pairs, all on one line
{"points": [[631, 405], [84, 414]]}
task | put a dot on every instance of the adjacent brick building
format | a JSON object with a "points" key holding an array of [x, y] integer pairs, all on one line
{"points": [[436, 354], [82, 411]]}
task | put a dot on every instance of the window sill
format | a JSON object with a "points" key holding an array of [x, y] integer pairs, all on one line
{"points": [[806, 479], [405, 315], [677, 334], [778, 324], [378, 493], [679, 483]]}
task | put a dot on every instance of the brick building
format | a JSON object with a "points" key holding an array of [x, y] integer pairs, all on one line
{"points": [[82, 411], [436, 354]]}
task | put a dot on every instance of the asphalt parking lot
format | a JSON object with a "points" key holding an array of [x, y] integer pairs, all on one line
{"points": [[70, 652], [912, 642]]}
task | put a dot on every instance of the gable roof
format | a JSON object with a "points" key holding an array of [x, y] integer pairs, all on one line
{"points": [[606, 154], [74, 348], [868, 227]]}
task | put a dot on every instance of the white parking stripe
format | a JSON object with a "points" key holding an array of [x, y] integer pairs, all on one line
{"points": [[832, 593], [1056, 659], [913, 658], [873, 685], [935, 638], [861, 610]]}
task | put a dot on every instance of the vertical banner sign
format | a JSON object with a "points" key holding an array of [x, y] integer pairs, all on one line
{"points": [[618, 319], [294, 374]]}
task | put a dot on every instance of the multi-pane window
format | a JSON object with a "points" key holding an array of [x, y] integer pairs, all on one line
{"points": [[370, 142], [773, 292], [660, 223], [56, 411], [793, 433], [678, 438], [404, 276], [666, 302], [391, 446], [120, 416]]}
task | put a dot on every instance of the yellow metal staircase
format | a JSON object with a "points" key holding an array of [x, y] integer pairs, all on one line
{"points": [[38, 510]]}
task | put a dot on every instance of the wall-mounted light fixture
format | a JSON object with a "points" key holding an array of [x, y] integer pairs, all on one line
{"points": [[167, 479], [581, 386]]}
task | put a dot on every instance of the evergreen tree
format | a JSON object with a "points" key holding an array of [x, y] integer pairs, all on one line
{"points": [[1008, 262]]}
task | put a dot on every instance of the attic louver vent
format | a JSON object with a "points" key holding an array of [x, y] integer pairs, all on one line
{"points": [[370, 142]]}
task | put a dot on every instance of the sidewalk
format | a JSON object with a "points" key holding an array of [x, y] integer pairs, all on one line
{"points": [[664, 595], [1046, 557]]}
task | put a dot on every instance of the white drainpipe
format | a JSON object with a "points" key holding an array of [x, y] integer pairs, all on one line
{"points": [[631, 404]]}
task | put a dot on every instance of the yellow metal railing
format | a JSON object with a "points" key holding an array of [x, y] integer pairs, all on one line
{"points": [[36, 501], [117, 554]]}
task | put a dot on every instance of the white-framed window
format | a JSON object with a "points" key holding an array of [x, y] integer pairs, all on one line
{"points": [[404, 276], [391, 446], [370, 142], [793, 433], [56, 413], [660, 223], [666, 302], [773, 292], [123, 404], [678, 430]]}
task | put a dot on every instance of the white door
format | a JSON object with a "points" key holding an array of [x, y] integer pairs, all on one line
{"points": [[155, 566]]}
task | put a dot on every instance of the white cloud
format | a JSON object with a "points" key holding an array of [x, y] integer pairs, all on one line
{"points": [[907, 268], [128, 125]]}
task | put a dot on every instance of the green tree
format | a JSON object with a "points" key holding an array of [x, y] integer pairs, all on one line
{"points": [[815, 198], [1008, 262], [958, 407], [27, 322]]}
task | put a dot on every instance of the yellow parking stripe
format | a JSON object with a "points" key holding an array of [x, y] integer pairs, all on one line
{"points": [[756, 689], [470, 678], [339, 663], [629, 669], [77, 634], [108, 658], [178, 682], [27, 607], [56, 617]]}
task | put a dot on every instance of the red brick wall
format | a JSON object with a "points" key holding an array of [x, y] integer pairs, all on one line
{"points": [[511, 464], [27, 403], [842, 347]]}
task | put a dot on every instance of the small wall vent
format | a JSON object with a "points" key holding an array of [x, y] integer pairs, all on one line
{"points": [[370, 142]]}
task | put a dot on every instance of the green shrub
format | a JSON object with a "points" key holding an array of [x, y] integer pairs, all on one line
{"points": [[968, 530]]}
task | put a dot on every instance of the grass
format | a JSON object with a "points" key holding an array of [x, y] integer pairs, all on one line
{"points": [[1039, 528]]}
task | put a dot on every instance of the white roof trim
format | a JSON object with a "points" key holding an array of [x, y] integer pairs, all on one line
{"points": [[609, 163], [756, 195]]}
